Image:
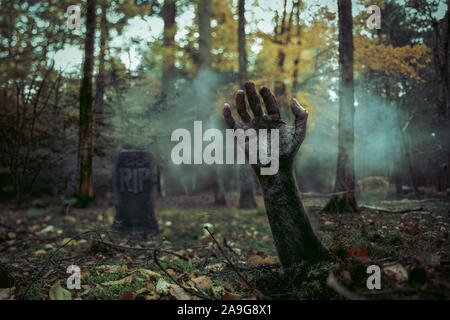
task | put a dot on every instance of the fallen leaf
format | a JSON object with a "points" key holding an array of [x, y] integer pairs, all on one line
{"points": [[171, 272], [397, 271], [218, 291], [40, 251], [47, 229], [142, 290], [179, 292], [214, 267], [59, 293], [153, 296], [151, 275], [128, 295], [229, 287], [126, 280], [358, 253], [109, 268], [85, 274], [415, 230], [68, 242], [257, 260], [162, 287], [203, 282], [230, 296], [270, 260]]}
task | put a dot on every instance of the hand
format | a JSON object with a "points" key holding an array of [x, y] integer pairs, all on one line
{"points": [[290, 137]]}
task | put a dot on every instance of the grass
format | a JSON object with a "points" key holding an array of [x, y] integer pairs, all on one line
{"points": [[241, 234]]}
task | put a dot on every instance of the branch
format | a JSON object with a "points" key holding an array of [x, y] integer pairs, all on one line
{"points": [[389, 210], [229, 261]]}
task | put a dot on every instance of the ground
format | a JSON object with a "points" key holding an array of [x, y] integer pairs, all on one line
{"points": [[236, 259]]}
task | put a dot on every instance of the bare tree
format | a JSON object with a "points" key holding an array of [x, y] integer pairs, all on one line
{"points": [[85, 186], [344, 199]]}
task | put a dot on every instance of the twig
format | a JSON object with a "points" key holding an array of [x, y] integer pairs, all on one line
{"points": [[225, 243], [206, 260], [18, 241], [229, 261], [322, 195], [389, 210], [49, 259]]}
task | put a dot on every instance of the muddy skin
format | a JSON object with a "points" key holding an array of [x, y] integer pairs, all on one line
{"points": [[294, 238]]}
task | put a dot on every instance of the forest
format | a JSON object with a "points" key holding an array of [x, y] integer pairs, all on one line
{"points": [[118, 177]]}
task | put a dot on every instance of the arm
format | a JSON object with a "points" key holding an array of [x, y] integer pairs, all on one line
{"points": [[294, 238]]}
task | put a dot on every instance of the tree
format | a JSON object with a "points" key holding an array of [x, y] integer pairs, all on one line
{"points": [[247, 192], [31, 117], [204, 38], [170, 28], [204, 69], [85, 186], [389, 67], [344, 200], [100, 81], [294, 237]]}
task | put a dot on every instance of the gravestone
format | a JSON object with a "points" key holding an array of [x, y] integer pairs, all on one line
{"points": [[134, 180]]}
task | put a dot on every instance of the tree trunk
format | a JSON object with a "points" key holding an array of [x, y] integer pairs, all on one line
{"points": [[219, 192], [100, 81], [204, 30], [407, 152], [294, 89], [204, 65], [246, 190], [170, 29], [445, 162], [85, 187], [440, 58], [242, 50], [345, 171]]}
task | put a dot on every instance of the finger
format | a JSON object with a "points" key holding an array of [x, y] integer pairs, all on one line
{"points": [[271, 103], [299, 112], [228, 117], [253, 99], [241, 107], [301, 117]]}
